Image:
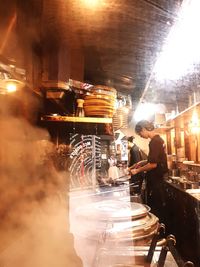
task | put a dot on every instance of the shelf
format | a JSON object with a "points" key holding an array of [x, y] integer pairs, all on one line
{"points": [[187, 110], [76, 119], [184, 116], [163, 129], [192, 164]]}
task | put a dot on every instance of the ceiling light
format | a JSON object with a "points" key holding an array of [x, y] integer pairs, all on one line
{"points": [[181, 50], [11, 87]]}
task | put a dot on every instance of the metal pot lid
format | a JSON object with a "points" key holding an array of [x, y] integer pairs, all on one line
{"points": [[112, 210], [123, 231], [133, 230]]}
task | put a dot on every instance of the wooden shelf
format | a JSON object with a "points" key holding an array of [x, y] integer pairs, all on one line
{"points": [[76, 119], [189, 109], [163, 129], [184, 116], [192, 164]]}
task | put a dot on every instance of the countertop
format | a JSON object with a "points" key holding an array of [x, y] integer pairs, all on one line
{"points": [[195, 193]]}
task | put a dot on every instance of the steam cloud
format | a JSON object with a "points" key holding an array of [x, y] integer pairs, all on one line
{"points": [[33, 195]]}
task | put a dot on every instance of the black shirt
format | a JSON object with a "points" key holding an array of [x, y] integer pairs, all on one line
{"points": [[157, 155], [134, 155]]}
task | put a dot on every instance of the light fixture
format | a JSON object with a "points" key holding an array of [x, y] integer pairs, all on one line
{"points": [[181, 51], [11, 87]]}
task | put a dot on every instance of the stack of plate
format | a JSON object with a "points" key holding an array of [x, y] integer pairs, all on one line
{"points": [[101, 102]]}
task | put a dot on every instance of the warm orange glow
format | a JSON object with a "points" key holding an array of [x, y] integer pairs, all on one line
{"points": [[8, 32], [195, 119], [195, 129], [11, 87], [91, 3], [195, 123]]}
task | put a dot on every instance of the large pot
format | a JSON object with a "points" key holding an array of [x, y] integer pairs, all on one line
{"points": [[119, 221]]}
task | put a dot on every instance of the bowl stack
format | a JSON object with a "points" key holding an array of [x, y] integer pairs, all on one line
{"points": [[101, 102]]}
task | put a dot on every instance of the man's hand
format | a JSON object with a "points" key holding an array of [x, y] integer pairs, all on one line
{"points": [[147, 167], [134, 171], [128, 171], [138, 164]]}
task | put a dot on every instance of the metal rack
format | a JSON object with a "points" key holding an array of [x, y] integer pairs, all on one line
{"points": [[170, 247]]}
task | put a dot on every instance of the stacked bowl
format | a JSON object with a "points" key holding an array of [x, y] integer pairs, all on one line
{"points": [[101, 102]]}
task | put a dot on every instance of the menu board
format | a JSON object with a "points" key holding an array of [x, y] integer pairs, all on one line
{"points": [[85, 159]]}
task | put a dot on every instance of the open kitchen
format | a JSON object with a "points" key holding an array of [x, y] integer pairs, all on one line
{"points": [[83, 85]]}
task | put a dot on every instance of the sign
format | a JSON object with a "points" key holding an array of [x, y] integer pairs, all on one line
{"points": [[85, 158]]}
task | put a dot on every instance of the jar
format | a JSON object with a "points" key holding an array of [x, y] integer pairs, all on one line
{"points": [[80, 111]]}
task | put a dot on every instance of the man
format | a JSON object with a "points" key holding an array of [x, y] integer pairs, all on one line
{"points": [[155, 167], [134, 157]]}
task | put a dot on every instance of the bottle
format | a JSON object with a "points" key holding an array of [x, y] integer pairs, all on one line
{"points": [[80, 111]]}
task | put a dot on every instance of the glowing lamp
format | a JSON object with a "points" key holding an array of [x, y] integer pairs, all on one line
{"points": [[11, 87]]}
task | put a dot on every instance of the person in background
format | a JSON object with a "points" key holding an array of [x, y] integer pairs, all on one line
{"points": [[134, 157], [113, 172], [155, 168]]}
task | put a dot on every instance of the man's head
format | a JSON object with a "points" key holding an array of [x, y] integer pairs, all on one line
{"points": [[143, 128], [130, 140]]}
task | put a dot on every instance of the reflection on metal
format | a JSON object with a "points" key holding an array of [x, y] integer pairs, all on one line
{"points": [[122, 221]]}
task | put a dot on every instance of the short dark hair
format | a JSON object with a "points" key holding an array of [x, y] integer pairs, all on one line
{"points": [[144, 125], [130, 139]]}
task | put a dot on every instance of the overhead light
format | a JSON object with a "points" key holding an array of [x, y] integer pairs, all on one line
{"points": [[11, 87], [181, 51]]}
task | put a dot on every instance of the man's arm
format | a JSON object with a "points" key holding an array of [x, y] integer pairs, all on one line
{"points": [[149, 166], [138, 164]]}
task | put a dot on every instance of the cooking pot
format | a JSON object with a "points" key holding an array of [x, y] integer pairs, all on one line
{"points": [[119, 221]]}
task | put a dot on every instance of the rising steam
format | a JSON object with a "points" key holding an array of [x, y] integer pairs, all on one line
{"points": [[33, 195]]}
